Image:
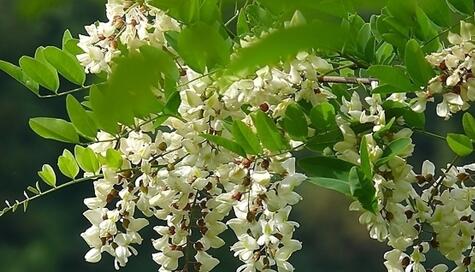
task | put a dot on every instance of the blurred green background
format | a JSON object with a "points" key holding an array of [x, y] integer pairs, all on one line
{"points": [[46, 239]]}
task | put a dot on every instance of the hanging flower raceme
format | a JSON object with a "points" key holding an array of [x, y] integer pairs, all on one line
{"points": [[218, 152]]}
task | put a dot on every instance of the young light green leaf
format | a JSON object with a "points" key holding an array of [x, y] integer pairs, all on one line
{"points": [[285, 42], [186, 11], [468, 122], [419, 69], [67, 36], [67, 164], [81, 120], [226, 143], [268, 132], [33, 190], [72, 47], [16, 72], [246, 138], [54, 129], [47, 175], [86, 159], [66, 64], [40, 72], [460, 144], [114, 159], [129, 92], [294, 122]]}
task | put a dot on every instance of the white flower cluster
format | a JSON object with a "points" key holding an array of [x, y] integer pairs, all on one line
{"points": [[131, 24], [192, 190], [193, 186], [455, 83]]}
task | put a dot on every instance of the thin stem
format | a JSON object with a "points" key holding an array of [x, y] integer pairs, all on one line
{"points": [[83, 88], [72, 182], [195, 79], [347, 80], [339, 68], [441, 178], [445, 31], [41, 194], [359, 63], [236, 14], [430, 134]]}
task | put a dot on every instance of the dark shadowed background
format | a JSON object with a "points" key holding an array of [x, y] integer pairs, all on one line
{"points": [[46, 239]]}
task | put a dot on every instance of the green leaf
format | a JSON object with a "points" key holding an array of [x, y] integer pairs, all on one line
{"points": [[393, 76], [246, 138], [67, 36], [268, 132], [337, 185], [397, 109], [385, 129], [40, 72], [201, 53], [366, 166], [362, 188], [114, 158], [172, 105], [79, 117], [210, 11], [323, 140], [286, 42], [54, 129], [67, 164], [186, 11], [464, 6], [47, 175], [385, 53], [172, 38], [86, 159], [226, 143], [468, 122], [460, 144], [427, 32], [329, 173], [129, 93], [323, 117], [294, 122], [395, 148], [437, 10], [364, 41], [242, 27], [72, 47], [66, 64], [16, 72], [419, 69]]}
